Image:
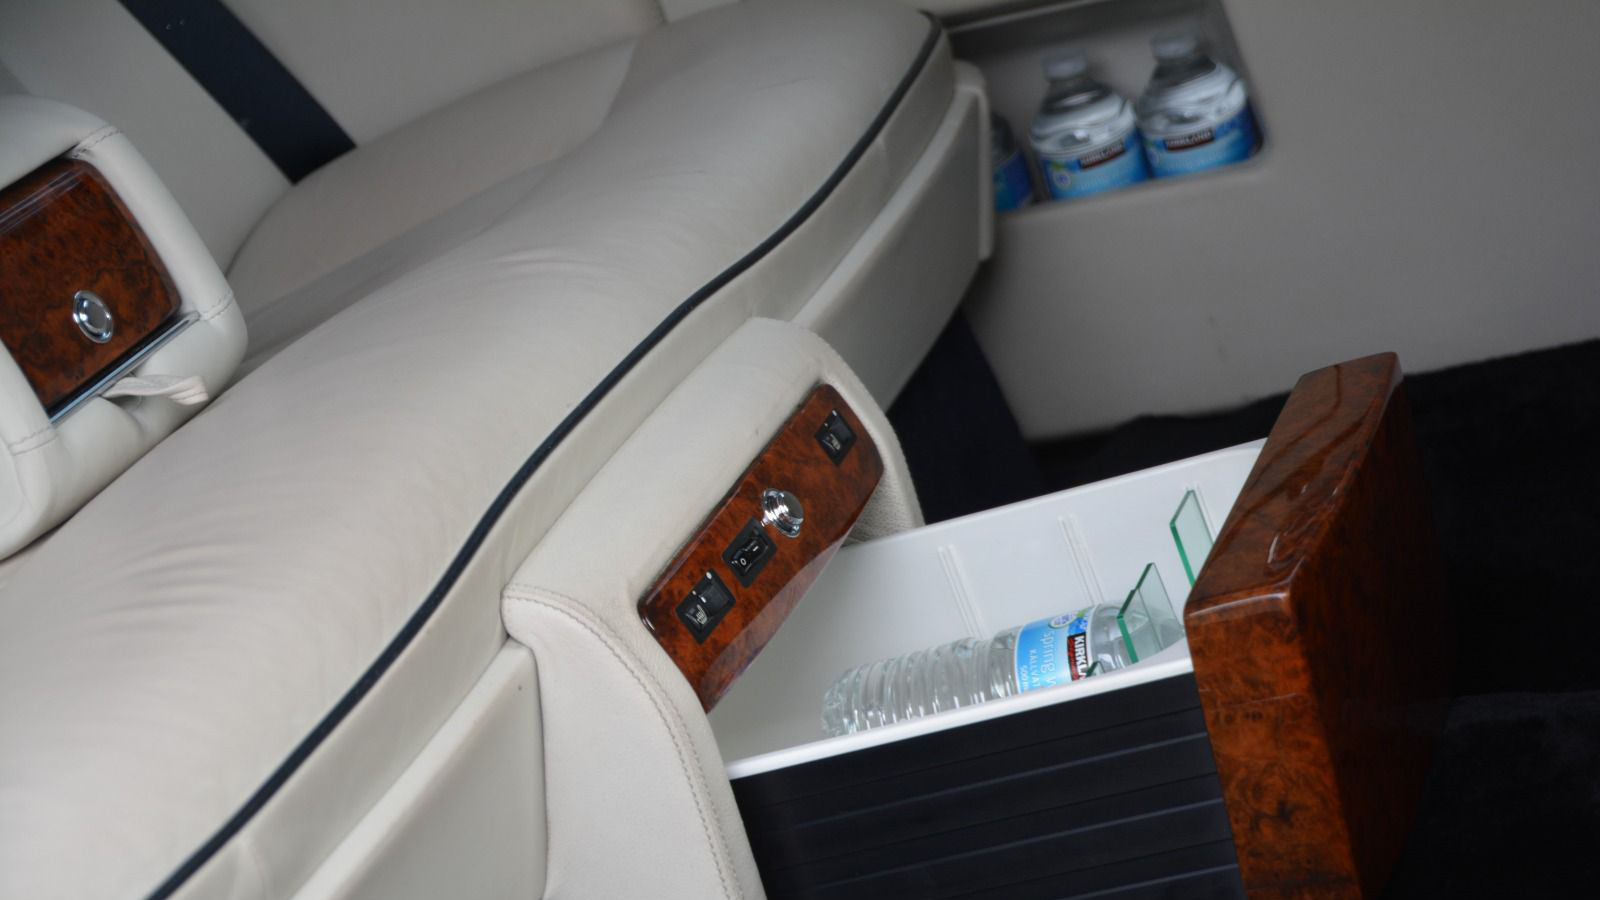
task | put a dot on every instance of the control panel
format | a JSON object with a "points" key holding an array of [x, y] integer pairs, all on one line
{"points": [[728, 589]]}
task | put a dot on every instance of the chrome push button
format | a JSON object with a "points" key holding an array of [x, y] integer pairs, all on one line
{"points": [[782, 511], [93, 317]]}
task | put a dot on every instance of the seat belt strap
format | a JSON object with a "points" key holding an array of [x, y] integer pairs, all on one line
{"points": [[247, 81]]}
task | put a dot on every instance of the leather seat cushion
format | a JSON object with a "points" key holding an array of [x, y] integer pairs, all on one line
{"points": [[745, 109], [384, 189], [370, 484]]}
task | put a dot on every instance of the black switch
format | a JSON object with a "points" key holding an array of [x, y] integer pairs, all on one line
{"points": [[713, 595], [705, 606], [836, 437], [749, 552]]}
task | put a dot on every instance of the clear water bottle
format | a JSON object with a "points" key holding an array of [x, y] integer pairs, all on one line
{"points": [[970, 671], [1195, 114], [1085, 135], [1013, 187]]}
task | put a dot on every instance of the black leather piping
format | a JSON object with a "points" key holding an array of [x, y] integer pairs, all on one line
{"points": [[491, 516]]}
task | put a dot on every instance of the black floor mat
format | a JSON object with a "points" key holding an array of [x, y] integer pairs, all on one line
{"points": [[961, 443], [1512, 803]]}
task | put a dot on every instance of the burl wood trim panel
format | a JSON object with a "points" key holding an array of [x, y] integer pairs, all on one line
{"points": [[1320, 641], [832, 496], [63, 230]]}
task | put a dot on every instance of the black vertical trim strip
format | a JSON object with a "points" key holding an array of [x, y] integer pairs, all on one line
{"points": [[524, 473], [247, 81]]}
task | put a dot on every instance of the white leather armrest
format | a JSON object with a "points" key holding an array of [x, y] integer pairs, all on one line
{"points": [[49, 470], [623, 729]]}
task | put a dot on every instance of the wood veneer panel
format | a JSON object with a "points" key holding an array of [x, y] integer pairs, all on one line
{"points": [[833, 497], [63, 230], [1320, 641]]}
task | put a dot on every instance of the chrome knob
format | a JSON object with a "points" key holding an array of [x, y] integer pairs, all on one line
{"points": [[782, 511], [93, 316]]}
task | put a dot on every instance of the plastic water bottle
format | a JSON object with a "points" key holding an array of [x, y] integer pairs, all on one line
{"points": [[1013, 187], [970, 671], [1194, 114], [1085, 134]]}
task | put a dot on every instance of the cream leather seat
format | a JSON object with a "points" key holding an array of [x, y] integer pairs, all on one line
{"points": [[394, 203], [681, 142], [454, 329]]}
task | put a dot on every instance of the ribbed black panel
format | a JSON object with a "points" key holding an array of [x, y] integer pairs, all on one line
{"points": [[1111, 796]]}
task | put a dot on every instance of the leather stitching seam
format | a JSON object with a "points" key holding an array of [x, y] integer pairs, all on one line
{"points": [[28, 442], [219, 307], [94, 140], [570, 608]]}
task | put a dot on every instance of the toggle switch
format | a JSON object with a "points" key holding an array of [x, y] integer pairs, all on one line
{"points": [[749, 553]]}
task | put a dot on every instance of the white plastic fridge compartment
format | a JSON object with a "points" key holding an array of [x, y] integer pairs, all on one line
{"points": [[970, 577]]}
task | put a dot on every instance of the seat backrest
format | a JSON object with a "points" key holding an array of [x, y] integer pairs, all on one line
{"points": [[370, 68]]}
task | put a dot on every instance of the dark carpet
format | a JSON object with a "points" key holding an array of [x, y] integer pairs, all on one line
{"points": [[1510, 450]]}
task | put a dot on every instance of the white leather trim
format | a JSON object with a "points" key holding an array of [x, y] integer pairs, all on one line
{"points": [[969, 79], [678, 9], [37, 131], [381, 190], [288, 317], [376, 67], [467, 817], [681, 9], [694, 849], [614, 703], [48, 471], [970, 8], [911, 267], [343, 232]]}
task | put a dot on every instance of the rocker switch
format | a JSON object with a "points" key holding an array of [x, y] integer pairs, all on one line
{"points": [[749, 552], [707, 602]]}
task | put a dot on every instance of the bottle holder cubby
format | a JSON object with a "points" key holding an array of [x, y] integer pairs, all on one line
{"points": [[1114, 37]]}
